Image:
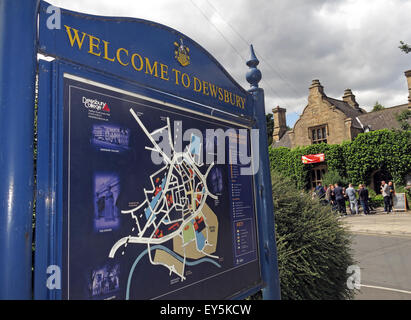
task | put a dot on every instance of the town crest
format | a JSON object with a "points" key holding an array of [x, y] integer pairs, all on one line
{"points": [[181, 53]]}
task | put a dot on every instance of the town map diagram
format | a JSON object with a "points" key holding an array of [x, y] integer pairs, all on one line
{"points": [[149, 210], [175, 209]]}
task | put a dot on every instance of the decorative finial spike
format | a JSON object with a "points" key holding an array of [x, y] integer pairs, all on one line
{"points": [[253, 75], [253, 62]]}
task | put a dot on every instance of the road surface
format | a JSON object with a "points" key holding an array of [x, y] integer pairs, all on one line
{"points": [[385, 263]]}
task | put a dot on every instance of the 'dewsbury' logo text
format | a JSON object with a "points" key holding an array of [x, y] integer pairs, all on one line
{"points": [[101, 48]]}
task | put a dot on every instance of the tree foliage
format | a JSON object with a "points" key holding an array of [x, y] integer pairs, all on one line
{"points": [[270, 127], [333, 177], [403, 119], [404, 47], [313, 247], [377, 107]]}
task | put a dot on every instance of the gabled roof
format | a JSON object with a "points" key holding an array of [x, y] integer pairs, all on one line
{"points": [[383, 119], [284, 141], [348, 110]]}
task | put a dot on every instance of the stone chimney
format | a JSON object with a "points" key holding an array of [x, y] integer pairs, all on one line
{"points": [[408, 75], [350, 98], [280, 124], [316, 88]]}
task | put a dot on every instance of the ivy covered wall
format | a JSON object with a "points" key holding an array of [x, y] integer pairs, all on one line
{"points": [[355, 160]]}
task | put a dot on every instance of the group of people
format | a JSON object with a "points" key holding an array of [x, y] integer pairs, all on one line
{"points": [[335, 195]]}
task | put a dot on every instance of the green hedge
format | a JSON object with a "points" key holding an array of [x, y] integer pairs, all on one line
{"points": [[313, 246], [354, 160]]}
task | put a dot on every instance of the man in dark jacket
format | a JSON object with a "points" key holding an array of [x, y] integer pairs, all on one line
{"points": [[363, 196], [339, 197]]}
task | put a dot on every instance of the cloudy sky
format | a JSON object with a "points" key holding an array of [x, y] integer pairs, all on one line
{"points": [[343, 43]]}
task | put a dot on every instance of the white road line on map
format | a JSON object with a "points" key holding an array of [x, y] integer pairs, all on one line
{"points": [[387, 289]]}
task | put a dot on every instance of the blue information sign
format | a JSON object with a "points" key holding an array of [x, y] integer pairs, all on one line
{"points": [[141, 192]]}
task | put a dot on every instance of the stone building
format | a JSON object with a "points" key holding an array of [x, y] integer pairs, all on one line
{"points": [[332, 121]]}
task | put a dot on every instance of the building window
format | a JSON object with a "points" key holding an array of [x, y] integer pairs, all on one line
{"points": [[319, 134], [317, 174]]}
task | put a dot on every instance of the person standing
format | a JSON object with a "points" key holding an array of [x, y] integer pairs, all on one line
{"points": [[363, 196], [333, 202], [328, 194], [385, 190], [392, 194], [352, 198], [339, 197], [320, 191]]}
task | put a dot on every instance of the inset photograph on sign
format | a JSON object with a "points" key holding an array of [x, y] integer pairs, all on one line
{"points": [[106, 191], [111, 138], [104, 281]]}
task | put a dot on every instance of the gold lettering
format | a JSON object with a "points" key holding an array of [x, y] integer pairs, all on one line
{"points": [[75, 38], [233, 100], [177, 74], [226, 98], [119, 56], [238, 101], [220, 94], [197, 89], [150, 70], [164, 71], [186, 84], [213, 90], [106, 52], [94, 45], [242, 103], [205, 88], [134, 64]]}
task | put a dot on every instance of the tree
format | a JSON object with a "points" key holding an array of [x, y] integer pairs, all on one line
{"points": [[270, 127], [403, 119], [404, 47], [377, 107], [333, 177]]}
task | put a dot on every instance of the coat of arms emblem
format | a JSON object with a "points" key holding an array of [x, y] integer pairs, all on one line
{"points": [[181, 53]]}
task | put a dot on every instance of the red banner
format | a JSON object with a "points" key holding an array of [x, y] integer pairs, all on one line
{"points": [[313, 158]]}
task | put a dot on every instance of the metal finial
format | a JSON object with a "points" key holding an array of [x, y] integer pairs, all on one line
{"points": [[253, 75], [253, 62]]}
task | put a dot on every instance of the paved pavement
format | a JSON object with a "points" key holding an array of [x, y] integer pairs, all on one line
{"points": [[397, 223]]}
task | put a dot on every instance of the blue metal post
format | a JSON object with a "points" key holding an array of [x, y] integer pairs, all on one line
{"points": [[265, 206], [17, 91]]}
